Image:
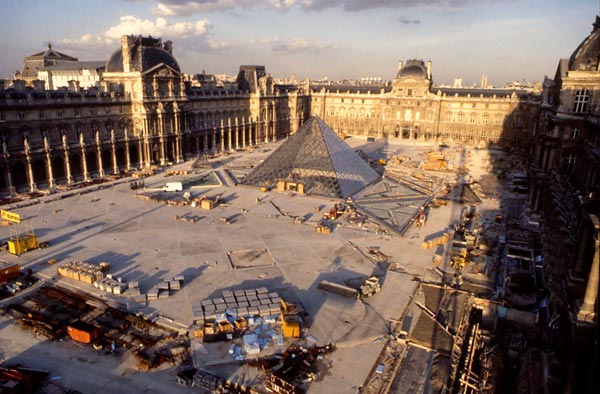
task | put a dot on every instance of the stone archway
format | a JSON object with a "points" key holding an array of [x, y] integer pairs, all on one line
{"points": [[58, 169], [19, 174], [40, 171], [91, 160], [133, 155], [405, 132], [121, 158], [107, 160], [170, 150], [75, 164]]}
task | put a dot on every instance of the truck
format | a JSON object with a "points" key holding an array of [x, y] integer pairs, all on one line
{"points": [[173, 187]]}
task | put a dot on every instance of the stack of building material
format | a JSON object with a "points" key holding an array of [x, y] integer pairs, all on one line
{"points": [[239, 303], [110, 284], [81, 271], [152, 294], [441, 240]]}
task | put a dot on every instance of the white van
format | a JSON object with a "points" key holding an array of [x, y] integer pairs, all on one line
{"points": [[173, 187]]}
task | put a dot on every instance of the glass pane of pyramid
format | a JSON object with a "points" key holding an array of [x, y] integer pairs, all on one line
{"points": [[317, 158]]}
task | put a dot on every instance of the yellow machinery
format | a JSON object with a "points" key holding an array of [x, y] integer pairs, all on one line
{"points": [[21, 244], [290, 320]]}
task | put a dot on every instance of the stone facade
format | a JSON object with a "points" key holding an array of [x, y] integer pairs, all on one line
{"points": [[143, 115], [411, 108]]}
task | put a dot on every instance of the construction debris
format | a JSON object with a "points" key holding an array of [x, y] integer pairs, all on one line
{"points": [[368, 288]]}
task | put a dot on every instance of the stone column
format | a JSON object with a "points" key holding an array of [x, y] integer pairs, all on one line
{"points": [[127, 155], [114, 152], [179, 154], [587, 312], [30, 180], [5, 155], [248, 125], [274, 124], [222, 136], [243, 133], [213, 140], [141, 155], [51, 183], [229, 139], [67, 162], [161, 133], [237, 134], [86, 174], [99, 150]]}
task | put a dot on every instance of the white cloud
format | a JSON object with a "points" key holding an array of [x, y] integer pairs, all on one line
{"points": [[189, 7], [298, 45], [184, 8], [218, 45], [129, 24], [132, 25]]}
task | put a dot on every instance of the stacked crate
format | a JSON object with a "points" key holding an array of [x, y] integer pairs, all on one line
{"points": [[81, 271], [238, 303]]}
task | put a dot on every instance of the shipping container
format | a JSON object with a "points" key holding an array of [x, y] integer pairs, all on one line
{"points": [[83, 332]]}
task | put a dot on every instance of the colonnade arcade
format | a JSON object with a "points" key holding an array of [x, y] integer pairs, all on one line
{"points": [[75, 154]]}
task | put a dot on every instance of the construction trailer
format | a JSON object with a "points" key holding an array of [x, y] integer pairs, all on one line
{"points": [[8, 271]]}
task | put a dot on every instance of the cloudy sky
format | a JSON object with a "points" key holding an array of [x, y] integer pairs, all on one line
{"points": [[508, 40]]}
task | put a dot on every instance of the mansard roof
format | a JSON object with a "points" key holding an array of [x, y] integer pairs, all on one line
{"points": [[145, 53], [51, 54], [587, 55]]}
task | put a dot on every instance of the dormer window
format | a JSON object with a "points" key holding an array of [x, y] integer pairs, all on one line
{"points": [[580, 103]]}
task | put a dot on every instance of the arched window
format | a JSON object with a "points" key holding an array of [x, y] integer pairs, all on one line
{"points": [[580, 103]]}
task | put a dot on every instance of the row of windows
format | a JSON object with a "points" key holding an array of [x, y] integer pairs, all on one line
{"points": [[60, 113], [408, 115]]}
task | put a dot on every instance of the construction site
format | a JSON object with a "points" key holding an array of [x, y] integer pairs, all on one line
{"points": [[309, 265]]}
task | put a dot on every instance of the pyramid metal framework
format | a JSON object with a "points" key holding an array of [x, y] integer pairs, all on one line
{"points": [[317, 158], [463, 194]]}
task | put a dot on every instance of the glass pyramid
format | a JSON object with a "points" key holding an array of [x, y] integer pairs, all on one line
{"points": [[316, 157]]}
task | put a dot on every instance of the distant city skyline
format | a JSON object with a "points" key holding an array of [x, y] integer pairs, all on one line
{"points": [[507, 40]]}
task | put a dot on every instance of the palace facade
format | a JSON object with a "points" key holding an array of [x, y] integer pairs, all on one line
{"points": [[412, 108], [143, 114]]}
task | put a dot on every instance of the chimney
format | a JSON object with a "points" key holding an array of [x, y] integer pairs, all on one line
{"points": [[429, 69], [19, 85], [39, 85], [74, 86], [484, 82], [126, 44], [400, 66]]}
